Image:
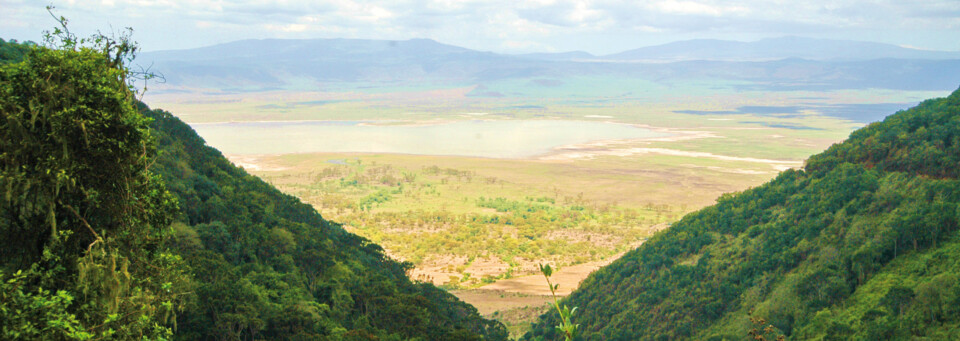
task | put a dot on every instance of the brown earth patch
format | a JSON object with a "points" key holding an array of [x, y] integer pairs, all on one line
{"points": [[568, 277]]}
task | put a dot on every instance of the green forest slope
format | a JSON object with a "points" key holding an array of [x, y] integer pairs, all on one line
{"points": [[861, 244], [118, 222], [267, 265]]}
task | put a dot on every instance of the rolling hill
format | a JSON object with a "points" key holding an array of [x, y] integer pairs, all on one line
{"points": [[862, 243]]}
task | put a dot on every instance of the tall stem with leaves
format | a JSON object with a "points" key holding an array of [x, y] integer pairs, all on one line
{"points": [[566, 327]]}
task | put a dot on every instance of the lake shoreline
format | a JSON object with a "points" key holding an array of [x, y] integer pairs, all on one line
{"points": [[498, 139]]}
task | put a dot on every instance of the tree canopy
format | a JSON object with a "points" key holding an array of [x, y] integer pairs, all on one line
{"points": [[118, 222], [82, 219], [860, 244]]}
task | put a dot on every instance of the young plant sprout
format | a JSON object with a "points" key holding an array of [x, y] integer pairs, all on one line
{"points": [[566, 327]]}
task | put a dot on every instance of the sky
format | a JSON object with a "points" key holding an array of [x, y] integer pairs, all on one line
{"points": [[505, 26]]}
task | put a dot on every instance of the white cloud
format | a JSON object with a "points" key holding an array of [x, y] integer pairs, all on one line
{"points": [[697, 8], [487, 24], [286, 28]]}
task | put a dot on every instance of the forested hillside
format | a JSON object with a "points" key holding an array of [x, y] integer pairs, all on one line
{"points": [[268, 266], [119, 223], [862, 243]]}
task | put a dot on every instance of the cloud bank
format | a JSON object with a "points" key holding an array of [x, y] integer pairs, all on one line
{"points": [[504, 26]]}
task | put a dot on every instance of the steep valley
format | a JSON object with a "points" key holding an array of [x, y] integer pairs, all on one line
{"points": [[675, 199]]}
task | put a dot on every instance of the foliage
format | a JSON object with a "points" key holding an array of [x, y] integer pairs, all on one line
{"points": [[858, 245], [12, 51], [88, 250], [426, 215], [567, 328], [763, 331], [267, 266], [36, 315], [83, 220]]}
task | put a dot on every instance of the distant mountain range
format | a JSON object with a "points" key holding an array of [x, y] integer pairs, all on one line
{"points": [[317, 48], [776, 49], [563, 56], [790, 62], [275, 62]]}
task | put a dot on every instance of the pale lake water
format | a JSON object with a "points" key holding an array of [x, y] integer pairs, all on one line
{"points": [[479, 138]]}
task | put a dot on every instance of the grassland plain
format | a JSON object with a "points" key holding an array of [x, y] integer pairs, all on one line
{"points": [[483, 224], [479, 226], [445, 212]]}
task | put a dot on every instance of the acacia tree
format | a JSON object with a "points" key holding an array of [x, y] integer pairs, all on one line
{"points": [[82, 220]]}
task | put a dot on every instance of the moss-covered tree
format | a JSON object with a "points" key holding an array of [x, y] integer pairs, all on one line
{"points": [[82, 219]]}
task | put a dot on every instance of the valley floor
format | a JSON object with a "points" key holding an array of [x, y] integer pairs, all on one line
{"points": [[479, 226]]}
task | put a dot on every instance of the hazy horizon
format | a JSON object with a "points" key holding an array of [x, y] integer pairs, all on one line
{"points": [[557, 52], [597, 27]]}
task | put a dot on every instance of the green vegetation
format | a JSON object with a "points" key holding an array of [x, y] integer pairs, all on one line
{"points": [[122, 224], [567, 328], [433, 212], [12, 51], [439, 208], [118, 222], [81, 252], [861, 244], [268, 266]]}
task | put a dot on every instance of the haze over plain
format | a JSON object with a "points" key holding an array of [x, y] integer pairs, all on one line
{"points": [[736, 92]]}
